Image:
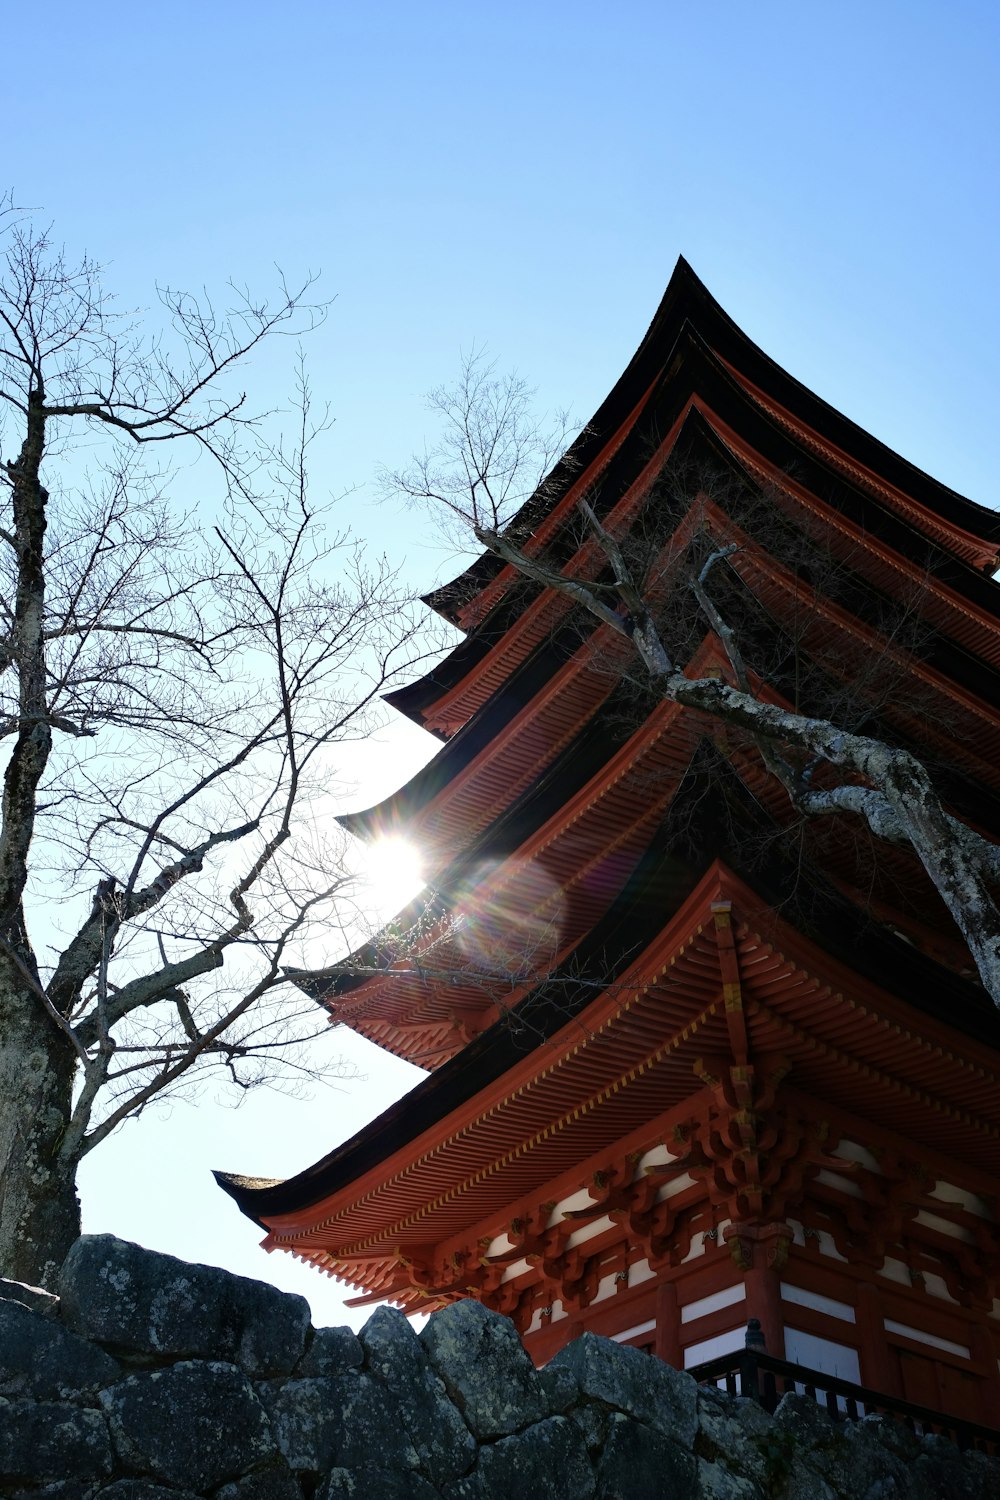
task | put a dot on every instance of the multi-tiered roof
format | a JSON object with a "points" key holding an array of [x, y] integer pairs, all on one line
{"points": [[650, 998]]}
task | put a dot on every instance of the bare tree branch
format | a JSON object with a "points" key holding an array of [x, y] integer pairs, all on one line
{"points": [[170, 698], [884, 785]]}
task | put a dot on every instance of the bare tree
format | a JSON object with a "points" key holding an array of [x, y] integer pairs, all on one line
{"points": [[642, 591], [170, 686]]}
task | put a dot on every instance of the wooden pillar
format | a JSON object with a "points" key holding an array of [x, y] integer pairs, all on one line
{"points": [[668, 1326], [763, 1285], [984, 1352], [879, 1369], [760, 1251]]}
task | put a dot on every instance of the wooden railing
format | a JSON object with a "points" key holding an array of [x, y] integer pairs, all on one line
{"points": [[765, 1379]]}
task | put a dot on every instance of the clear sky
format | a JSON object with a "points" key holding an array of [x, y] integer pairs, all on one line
{"points": [[523, 176]]}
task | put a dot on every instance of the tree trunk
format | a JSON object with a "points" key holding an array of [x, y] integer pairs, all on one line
{"points": [[39, 1209]]}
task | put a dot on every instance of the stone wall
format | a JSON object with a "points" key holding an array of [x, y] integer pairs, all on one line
{"points": [[150, 1379]]}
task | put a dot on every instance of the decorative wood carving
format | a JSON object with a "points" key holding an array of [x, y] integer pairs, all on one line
{"points": [[752, 1152], [759, 1246]]}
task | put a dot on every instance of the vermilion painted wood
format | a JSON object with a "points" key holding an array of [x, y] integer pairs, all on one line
{"points": [[826, 1078]]}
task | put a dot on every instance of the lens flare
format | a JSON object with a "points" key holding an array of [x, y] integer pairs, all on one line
{"points": [[514, 928], [392, 875]]}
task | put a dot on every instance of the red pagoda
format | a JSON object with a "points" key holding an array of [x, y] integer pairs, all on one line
{"points": [[691, 1060]]}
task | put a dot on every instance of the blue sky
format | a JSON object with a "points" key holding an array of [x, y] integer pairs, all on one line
{"points": [[525, 177]]}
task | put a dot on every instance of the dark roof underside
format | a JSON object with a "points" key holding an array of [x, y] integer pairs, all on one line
{"points": [[720, 821]]}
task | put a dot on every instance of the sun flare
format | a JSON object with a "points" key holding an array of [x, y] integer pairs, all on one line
{"points": [[392, 876]]}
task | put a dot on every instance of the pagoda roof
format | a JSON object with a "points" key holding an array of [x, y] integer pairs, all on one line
{"points": [[505, 1117], [688, 311], [542, 777], [565, 974], [713, 427], [543, 685], [724, 820], [513, 820]]}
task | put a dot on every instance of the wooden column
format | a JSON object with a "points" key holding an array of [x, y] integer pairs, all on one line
{"points": [[760, 1251], [879, 1368], [984, 1352], [668, 1325]]}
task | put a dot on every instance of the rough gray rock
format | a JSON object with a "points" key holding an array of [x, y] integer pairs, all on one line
{"points": [[398, 1359], [549, 1458], [306, 1418], [330, 1422], [875, 1458], [63, 1489], [939, 1469], [39, 1358], [41, 1440], [639, 1463], [485, 1369], [142, 1489], [715, 1482], [194, 1424], [392, 1416], [632, 1382], [35, 1297], [802, 1482], [807, 1428], [139, 1301], [734, 1433], [276, 1482], [377, 1484], [331, 1351], [815, 1454], [592, 1421], [560, 1388]]}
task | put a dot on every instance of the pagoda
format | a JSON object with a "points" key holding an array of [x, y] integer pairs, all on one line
{"points": [[692, 1059]]}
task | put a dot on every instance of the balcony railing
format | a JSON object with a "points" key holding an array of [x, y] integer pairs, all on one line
{"points": [[765, 1379]]}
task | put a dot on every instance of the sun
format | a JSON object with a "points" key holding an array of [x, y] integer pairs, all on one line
{"points": [[392, 875]]}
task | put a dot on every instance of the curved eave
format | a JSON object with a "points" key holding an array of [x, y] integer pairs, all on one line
{"points": [[687, 299], [714, 405], [589, 767], [960, 590], [615, 409], [519, 688], [849, 940]]}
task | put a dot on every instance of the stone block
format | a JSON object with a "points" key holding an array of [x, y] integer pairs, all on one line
{"points": [[715, 1482], [331, 1351], [560, 1388], [276, 1482], [398, 1360], [195, 1424], [376, 1484], [803, 1483], [737, 1435], [63, 1489], [634, 1383], [485, 1369], [942, 1471], [870, 1464], [549, 1458], [811, 1436], [337, 1422], [40, 1358], [142, 1489], [306, 1418], [143, 1302], [640, 1463], [35, 1297], [592, 1420], [51, 1440]]}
